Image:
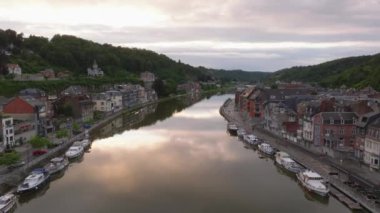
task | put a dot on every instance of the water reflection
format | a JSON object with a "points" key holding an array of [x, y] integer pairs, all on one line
{"points": [[146, 116], [181, 161]]}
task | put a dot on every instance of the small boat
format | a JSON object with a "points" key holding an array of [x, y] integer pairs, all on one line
{"points": [[74, 151], [283, 159], [313, 182], [240, 133], [266, 149], [7, 202], [251, 139], [232, 129], [56, 165], [85, 143], [36, 179]]}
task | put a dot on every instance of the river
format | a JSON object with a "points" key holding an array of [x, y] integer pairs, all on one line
{"points": [[173, 157]]}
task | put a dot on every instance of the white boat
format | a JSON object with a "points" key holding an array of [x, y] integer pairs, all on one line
{"points": [[313, 182], [241, 133], [74, 151], [85, 143], [283, 159], [36, 179], [251, 139], [266, 148], [232, 129], [7, 202], [56, 165]]}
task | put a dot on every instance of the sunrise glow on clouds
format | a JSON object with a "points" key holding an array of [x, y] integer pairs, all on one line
{"points": [[252, 35]]}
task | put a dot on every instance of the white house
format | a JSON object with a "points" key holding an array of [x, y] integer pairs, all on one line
{"points": [[8, 132], [103, 102], [14, 69], [95, 71]]}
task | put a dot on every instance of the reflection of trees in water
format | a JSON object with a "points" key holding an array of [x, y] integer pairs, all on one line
{"points": [[147, 116]]}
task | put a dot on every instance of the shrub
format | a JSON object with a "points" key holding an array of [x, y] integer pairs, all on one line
{"points": [[9, 158], [63, 133], [39, 142]]}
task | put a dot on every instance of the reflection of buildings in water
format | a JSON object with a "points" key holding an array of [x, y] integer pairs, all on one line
{"points": [[137, 116], [126, 121], [110, 127], [192, 98]]}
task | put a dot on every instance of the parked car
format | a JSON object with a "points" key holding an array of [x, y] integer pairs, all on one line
{"points": [[39, 152]]}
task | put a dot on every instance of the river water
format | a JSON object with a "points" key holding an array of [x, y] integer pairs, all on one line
{"points": [[173, 157]]}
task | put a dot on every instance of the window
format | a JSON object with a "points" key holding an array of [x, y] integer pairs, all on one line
{"points": [[342, 121], [341, 131]]}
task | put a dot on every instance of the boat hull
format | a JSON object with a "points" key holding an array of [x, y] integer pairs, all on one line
{"points": [[34, 188], [9, 206], [324, 193], [232, 132]]}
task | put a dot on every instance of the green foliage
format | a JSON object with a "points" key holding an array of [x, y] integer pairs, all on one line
{"points": [[355, 72], [63, 133], [76, 127], [39, 142], [120, 64], [98, 115], [9, 158]]}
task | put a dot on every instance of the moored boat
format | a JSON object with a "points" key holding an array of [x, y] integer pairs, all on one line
{"points": [[313, 182], [85, 143], [7, 202], [74, 152], [56, 165], [283, 159], [266, 149], [240, 133], [35, 180], [251, 139], [232, 129]]}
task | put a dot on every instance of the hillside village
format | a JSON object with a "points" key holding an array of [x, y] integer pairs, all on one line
{"points": [[36, 113]]}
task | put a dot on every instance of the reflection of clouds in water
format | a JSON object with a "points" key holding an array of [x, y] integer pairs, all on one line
{"points": [[141, 158], [201, 114]]}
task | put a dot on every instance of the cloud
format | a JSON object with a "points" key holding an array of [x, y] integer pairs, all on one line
{"points": [[253, 35]]}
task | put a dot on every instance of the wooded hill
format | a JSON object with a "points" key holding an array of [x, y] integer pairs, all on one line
{"points": [[65, 52], [358, 72]]}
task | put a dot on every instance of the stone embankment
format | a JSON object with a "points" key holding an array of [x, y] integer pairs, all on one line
{"points": [[318, 163]]}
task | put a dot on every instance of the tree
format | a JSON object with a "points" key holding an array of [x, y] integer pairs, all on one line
{"points": [[159, 87], [39, 142]]}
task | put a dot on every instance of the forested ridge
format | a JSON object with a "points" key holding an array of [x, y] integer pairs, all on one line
{"points": [[357, 72], [73, 54]]}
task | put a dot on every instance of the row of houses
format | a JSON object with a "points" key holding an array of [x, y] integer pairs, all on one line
{"points": [[32, 112], [48, 74], [338, 123]]}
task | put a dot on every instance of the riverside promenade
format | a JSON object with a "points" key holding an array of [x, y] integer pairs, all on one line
{"points": [[318, 163]]}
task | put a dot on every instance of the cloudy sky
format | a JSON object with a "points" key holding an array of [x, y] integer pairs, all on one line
{"points": [[261, 35]]}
